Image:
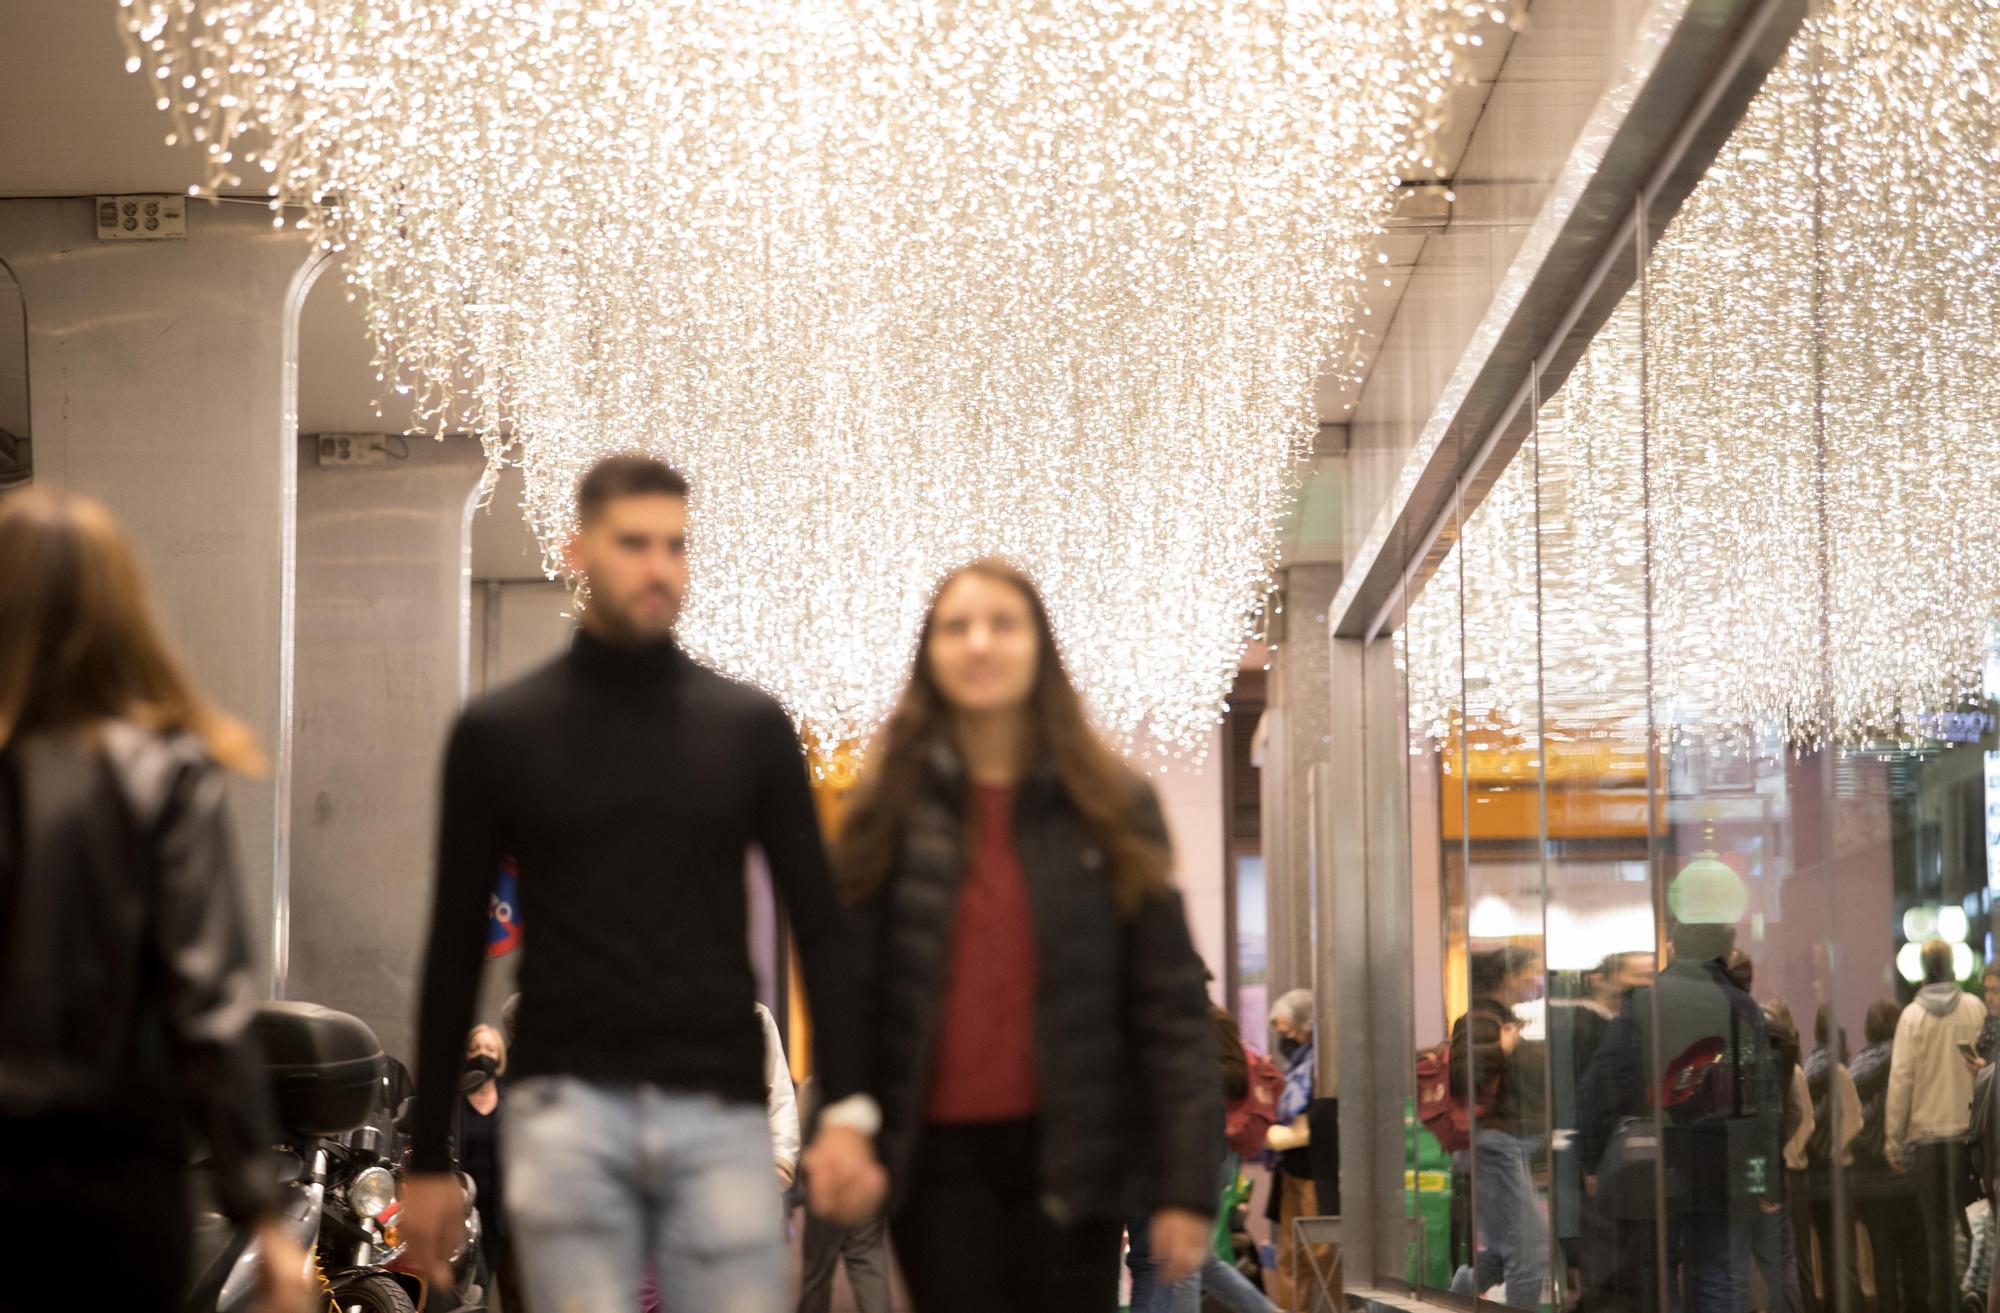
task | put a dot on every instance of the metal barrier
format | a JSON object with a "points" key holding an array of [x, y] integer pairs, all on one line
{"points": [[1323, 1294]]}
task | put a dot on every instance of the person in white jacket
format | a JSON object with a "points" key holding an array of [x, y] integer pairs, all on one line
{"points": [[1929, 1111], [782, 1102]]}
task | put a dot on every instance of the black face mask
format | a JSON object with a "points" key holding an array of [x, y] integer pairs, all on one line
{"points": [[1288, 1048], [484, 1063]]}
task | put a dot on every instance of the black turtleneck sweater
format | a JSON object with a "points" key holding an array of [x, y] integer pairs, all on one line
{"points": [[627, 785]]}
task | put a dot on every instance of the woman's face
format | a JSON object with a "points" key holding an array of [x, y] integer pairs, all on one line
{"points": [[483, 1042], [984, 651], [1523, 985]]}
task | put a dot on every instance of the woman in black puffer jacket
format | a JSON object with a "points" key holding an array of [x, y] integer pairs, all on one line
{"points": [[1042, 1048]]}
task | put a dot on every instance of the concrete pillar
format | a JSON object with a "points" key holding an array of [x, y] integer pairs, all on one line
{"points": [[1197, 817], [1366, 909], [1296, 748], [161, 378], [383, 589]]}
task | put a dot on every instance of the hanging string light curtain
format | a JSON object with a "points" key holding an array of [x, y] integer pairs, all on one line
{"points": [[1860, 511], [1553, 633], [897, 282], [1822, 371]]}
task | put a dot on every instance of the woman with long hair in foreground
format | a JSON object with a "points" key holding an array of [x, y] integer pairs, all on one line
{"points": [[125, 988], [1042, 1047]]}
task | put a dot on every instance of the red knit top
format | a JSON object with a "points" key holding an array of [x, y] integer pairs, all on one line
{"points": [[985, 1067]]}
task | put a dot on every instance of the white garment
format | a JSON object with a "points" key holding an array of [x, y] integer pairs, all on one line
{"points": [[1795, 1148], [1930, 1087], [783, 1103], [1846, 1111]]}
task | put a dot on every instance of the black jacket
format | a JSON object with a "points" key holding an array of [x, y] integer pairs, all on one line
{"points": [[1508, 1086], [125, 993], [1131, 1107], [1719, 1096]]}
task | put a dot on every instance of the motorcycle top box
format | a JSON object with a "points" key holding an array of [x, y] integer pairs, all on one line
{"points": [[324, 1066]]}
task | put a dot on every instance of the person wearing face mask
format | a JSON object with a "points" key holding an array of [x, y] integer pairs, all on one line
{"points": [[1489, 1056], [1294, 1187], [479, 1145]]}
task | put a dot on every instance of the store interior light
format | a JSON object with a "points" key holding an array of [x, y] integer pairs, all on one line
{"points": [[1493, 917], [1910, 962]]}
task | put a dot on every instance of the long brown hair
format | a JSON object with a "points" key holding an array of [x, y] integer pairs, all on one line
{"points": [[1104, 792], [79, 644]]}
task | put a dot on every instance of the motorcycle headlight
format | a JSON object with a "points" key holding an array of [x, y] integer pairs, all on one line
{"points": [[372, 1192]]}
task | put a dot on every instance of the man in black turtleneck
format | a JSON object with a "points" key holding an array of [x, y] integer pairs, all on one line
{"points": [[627, 782]]}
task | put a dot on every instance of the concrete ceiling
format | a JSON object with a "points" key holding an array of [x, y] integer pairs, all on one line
{"points": [[73, 122], [1337, 390]]}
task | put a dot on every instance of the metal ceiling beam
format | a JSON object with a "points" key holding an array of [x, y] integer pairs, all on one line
{"points": [[1694, 67]]}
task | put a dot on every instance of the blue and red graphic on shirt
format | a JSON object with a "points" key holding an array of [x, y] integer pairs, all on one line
{"points": [[503, 911]]}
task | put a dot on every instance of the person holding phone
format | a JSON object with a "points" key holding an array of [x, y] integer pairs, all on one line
{"points": [[1929, 1112]]}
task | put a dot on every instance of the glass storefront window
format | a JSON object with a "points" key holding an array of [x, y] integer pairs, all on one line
{"points": [[1703, 742]]}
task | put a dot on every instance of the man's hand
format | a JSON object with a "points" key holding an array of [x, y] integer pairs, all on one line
{"points": [[844, 1182], [1179, 1241], [432, 1214], [281, 1270], [1510, 1037]]}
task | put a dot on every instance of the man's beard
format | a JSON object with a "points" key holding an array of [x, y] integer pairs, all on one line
{"points": [[624, 623]]}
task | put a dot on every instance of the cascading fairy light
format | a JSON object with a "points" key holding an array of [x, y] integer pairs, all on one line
{"points": [[1783, 514], [1582, 676], [1904, 335], [897, 282]]}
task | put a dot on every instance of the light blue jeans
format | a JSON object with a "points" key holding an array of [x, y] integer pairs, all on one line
{"points": [[1216, 1277], [1148, 1295], [605, 1180], [1513, 1239]]}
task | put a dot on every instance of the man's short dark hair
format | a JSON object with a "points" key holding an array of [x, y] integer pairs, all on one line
{"points": [[1702, 942], [1490, 968], [628, 474], [1938, 965], [1881, 1024]]}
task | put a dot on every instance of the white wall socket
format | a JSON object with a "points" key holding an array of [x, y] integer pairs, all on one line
{"points": [[141, 218], [352, 448]]}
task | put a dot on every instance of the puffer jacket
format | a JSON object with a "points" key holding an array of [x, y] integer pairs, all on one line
{"points": [[1131, 1108], [125, 992]]}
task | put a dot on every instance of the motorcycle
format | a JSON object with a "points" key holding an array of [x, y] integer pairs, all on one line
{"points": [[344, 1107]]}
